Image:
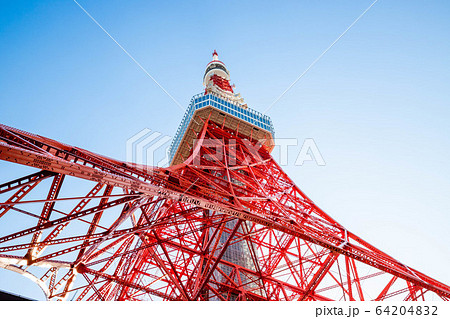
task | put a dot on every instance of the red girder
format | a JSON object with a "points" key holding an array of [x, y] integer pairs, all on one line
{"points": [[180, 240], [21, 182]]}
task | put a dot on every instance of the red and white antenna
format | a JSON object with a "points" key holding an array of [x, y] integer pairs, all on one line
{"points": [[215, 56], [217, 76]]}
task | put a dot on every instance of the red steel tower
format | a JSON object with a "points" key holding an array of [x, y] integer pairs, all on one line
{"points": [[222, 222]]}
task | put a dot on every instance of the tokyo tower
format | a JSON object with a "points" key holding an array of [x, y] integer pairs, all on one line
{"points": [[222, 222]]}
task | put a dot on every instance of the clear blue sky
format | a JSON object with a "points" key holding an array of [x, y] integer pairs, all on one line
{"points": [[377, 104]]}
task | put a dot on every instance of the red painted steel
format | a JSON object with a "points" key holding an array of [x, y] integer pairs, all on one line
{"points": [[166, 233], [221, 83]]}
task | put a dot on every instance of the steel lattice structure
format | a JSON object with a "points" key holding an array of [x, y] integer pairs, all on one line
{"points": [[139, 232]]}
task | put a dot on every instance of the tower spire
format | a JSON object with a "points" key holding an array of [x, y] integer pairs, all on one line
{"points": [[217, 77]]}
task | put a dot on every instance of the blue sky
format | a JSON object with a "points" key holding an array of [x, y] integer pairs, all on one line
{"points": [[377, 104]]}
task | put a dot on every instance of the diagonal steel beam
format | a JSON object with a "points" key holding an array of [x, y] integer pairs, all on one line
{"points": [[219, 257], [319, 275], [20, 182]]}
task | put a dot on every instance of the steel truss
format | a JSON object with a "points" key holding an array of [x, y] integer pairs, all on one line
{"points": [[139, 233]]}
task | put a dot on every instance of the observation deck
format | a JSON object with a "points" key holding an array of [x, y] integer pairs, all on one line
{"points": [[222, 110]]}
